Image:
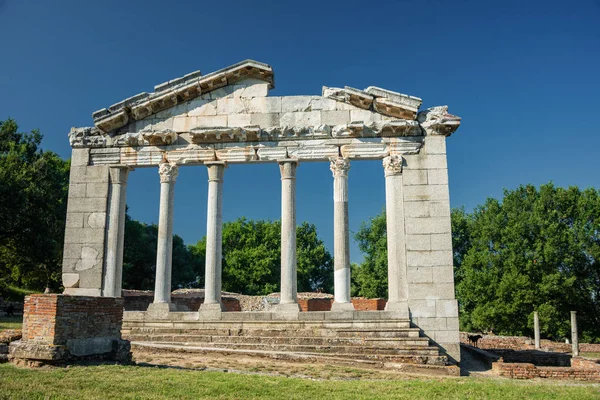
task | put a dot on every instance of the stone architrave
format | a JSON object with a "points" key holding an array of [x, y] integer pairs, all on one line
{"points": [[213, 305], [164, 252], [341, 238], [396, 243], [288, 302], [113, 276]]}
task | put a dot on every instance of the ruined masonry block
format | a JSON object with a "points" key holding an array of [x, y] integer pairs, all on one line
{"points": [[422, 308], [435, 145], [431, 291], [446, 308], [415, 177], [441, 241], [418, 242], [419, 274], [428, 258], [420, 226], [437, 176], [426, 193]]}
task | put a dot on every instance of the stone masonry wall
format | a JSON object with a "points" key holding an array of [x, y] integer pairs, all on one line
{"points": [[83, 258], [430, 273], [530, 371], [526, 343]]}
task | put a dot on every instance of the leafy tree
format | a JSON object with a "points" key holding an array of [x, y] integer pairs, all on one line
{"points": [[33, 196], [369, 279], [535, 250], [252, 257], [139, 258]]}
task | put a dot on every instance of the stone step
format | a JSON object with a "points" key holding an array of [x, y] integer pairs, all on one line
{"points": [[398, 362], [363, 351], [274, 340], [379, 333], [267, 325]]}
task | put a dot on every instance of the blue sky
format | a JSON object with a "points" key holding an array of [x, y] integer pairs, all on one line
{"points": [[523, 75]]}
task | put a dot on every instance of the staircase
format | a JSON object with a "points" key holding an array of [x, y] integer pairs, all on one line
{"points": [[379, 343]]}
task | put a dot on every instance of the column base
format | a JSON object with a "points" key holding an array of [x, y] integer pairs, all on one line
{"points": [[210, 311], [339, 306], [160, 310], [399, 308], [287, 309]]}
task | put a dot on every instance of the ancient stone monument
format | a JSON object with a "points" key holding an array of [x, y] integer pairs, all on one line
{"points": [[227, 118]]}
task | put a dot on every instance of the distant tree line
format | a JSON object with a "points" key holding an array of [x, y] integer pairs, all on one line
{"points": [[536, 249]]}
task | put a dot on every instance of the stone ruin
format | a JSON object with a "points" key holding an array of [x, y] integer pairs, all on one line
{"points": [[226, 118]]}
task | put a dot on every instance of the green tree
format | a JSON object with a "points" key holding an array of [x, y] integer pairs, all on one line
{"points": [[535, 250], [252, 257], [139, 258], [369, 278], [33, 196]]}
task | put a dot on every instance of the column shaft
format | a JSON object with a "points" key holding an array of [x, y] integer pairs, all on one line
{"points": [[289, 290], [574, 334], [536, 329], [164, 251], [113, 273], [341, 237], [396, 244], [214, 239]]}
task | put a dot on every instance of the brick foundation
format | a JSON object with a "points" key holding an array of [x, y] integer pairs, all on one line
{"points": [[579, 371], [61, 328]]}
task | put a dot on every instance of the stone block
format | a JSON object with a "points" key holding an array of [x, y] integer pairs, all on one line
{"points": [[221, 93], [201, 107], [249, 88], [80, 157], [90, 258], [429, 291], [179, 109], [89, 174], [447, 336], [74, 220], [443, 274], [183, 124], [365, 116], [437, 176], [421, 161], [452, 323], [428, 258], [418, 242], [419, 274], [230, 106], [266, 120], [310, 118], [441, 241], [95, 220], [447, 308], [420, 226], [263, 105], [435, 145], [239, 120], [421, 308], [339, 117], [414, 177], [96, 189], [296, 103], [439, 209], [82, 292], [323, 104], [77, 190], [416, 209], [210, 121], [91, 278], [70, 280], [426, 193], [163, 124]]}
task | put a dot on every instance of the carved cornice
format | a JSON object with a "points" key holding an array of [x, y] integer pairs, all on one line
{"points": [[437, 121], [168, 172], [392, 165], [339, 166]]}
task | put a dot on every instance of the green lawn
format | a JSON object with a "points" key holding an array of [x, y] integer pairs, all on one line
{"points": [[118, 382], [11, 322], [591, 355]]}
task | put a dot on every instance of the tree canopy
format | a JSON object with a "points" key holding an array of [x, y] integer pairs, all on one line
{"points": [[537, 249], [33, 197]]}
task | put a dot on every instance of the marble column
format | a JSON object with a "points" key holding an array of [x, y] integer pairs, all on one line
{"points": [[341, 238], [113, 272], [574, 335], [162, 289], [396, 243], [212, 306], [289, 291], [536, 329]]}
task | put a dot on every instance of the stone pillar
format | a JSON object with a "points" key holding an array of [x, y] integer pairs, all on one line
{"points": [[396, 244], [212, 306], [536, 329], [113, 272], [574, 334], [289, 291], [162, 289], [341, 238]]}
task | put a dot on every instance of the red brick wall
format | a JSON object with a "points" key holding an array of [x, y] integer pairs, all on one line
{"points": [[369, 304], [315, 304], [530, 371], [54, 319]]}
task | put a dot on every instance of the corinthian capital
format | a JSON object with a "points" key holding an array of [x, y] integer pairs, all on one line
{"points": [[392, 165], [339, 166], [168, 171]]}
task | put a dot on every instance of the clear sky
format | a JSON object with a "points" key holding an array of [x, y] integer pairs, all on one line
{"points": [[523, 75]]}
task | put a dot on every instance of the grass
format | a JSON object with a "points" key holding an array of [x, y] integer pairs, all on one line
{"points": [[130, 382], [13, 293], [591, 355], [15, 322]]}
